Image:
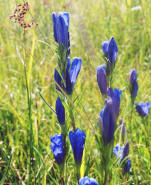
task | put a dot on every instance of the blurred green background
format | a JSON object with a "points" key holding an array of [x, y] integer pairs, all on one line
{"points": [[91, 23]]}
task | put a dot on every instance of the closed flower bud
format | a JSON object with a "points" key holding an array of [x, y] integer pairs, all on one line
{"points": [[143, 109], [112, 50], [127, 166], [108, 126], [60, 111], [116, 98], [87, 181], [61, 28], [77, 140], [57, 147], [125, 151], [133, 83], [105, 48], [101, 79], [133, 76], [134, 89]]}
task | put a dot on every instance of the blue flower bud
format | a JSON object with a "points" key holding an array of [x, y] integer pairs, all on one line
{"points": [[57, 147], [134, 89], [133, 83], [60, 111], [87, 181], [125, 151], [122, 152], [116, 97], [67, 83], [101, 79], [61, 28], [133, 76], [77, 140], [143, 109], [105, 48], [69, 87], [112, 51], [108, 126], [58, 80], [127, 166], [75, 69]]}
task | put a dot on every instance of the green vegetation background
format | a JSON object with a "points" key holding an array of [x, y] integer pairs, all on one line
{"points": [[91, 22]]}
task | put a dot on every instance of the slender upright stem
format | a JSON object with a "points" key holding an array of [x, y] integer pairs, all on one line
{"points": [[30, 121], [29, 114], [71, 113], [78, 171]]}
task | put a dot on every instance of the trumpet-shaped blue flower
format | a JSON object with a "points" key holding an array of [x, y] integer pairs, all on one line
{"points": [[133, 83], [77, 140], [110, 50], [61, 28], [116, 97], [108, 122], [87, 181], [60, 111], [143, 108], [57, 147], [122, 152], [67, 83], [101, 79]]}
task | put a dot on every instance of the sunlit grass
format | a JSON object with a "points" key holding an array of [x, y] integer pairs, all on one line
{"points": [[91, 22]]}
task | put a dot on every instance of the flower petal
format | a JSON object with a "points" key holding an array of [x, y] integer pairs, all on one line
{"points": [[112, 50], [60, 111], [75, 69]]}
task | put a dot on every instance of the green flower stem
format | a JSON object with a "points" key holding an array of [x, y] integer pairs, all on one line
{"points": [[106, 163], [131, 114], [71, 112], [64, 133], [78, 171]]}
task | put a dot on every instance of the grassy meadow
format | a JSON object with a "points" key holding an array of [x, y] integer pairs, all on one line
{"points": [[26, 122]]}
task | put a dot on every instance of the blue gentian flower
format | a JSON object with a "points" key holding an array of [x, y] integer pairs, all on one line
{"points": [[67, 84], [134, 89], [101, 114], [116, 97], [61, 28], [105, 45], [127, 166], [125, 151], [101, 79], [108, 122], [110, 50], [87, 181], [133, 83], [133, 76], [60, 111], [143, 108], [77, 140], [122, 152], [57, 147]]}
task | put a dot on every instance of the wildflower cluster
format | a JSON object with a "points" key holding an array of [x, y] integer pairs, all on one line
{"points": [[65, 76], [20, 14], [109, 114]]}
